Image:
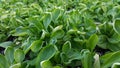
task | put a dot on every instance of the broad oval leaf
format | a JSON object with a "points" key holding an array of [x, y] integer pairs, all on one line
{"points": [[66, 47], [115, 38], [26, 45], [57, 32], [110, 58], [92, 41], [46, 64], [19, 55], [9, 54], [86, 58], [55, 14], [36, 22], [6, 44], [36, 45], [21, 31], [70, 55], [114, 47], [47, 20], [45, 54], [102, 41], [3, 62]]}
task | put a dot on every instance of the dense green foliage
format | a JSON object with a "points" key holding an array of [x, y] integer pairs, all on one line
{"points": [[59, 33]]}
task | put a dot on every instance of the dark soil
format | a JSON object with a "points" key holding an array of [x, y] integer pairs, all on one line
{"points": [[2, 50], [101, 51], [11, 38]]}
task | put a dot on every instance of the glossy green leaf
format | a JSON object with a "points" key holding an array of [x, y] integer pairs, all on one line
{"points": [[105, 57], [46, 64], [9, 54], [21, 31], [55, 14], [26, 45], [110, 59], [116, 65], [57, 32], [92, 41], [74, 55], [3, 62], [102, 41], [66, 47], [36, 45], [18, 65], [47, 20], [115, 38], [90, 26], [86, 59], [117, 25], [70, 55], [6, 44], [45, 54], [19, 55], [113, 47], [36, 22]]}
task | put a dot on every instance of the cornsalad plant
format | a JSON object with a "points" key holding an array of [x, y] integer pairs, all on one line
{"points": [[59, 33]]}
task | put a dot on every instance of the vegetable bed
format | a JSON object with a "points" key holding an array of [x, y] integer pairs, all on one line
{"points": [[59, 33]]}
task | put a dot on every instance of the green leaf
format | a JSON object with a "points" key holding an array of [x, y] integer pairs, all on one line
{"points": [[115, 38], [3, 62], [57, 67], [71, 31], [6, 44], [73, 55], [114, 47], [57, 32], [70, 55], [45, 54], [117, 25], [110, 58], [26, 45], [116, 65], [19, 55], [47, 20], [36, 45], [18, 65], [55, 14], [9, 54], [44, 33], [86, 59], [97, 61], [21, 31], [102, 41], [90, 26], [36, 22], [105, 57], [46, 64], [92, 41], [66, 47]]}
